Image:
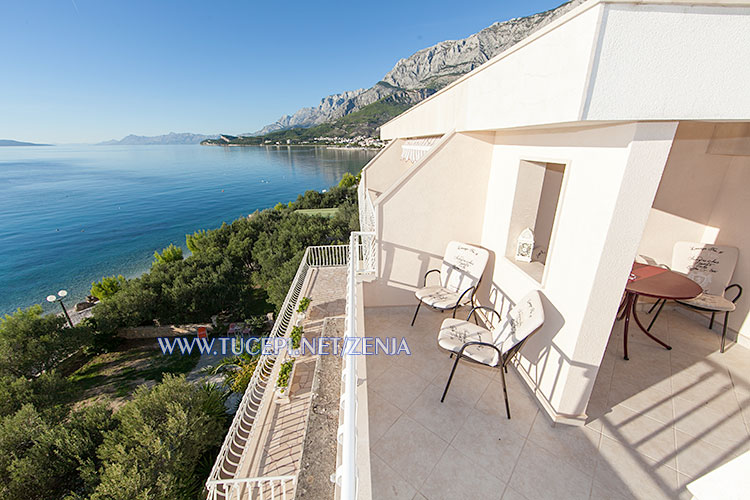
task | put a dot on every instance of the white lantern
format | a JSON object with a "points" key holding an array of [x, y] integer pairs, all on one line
{"points": [[525, 245]]}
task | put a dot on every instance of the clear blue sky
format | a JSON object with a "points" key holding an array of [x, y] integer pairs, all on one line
{"points": [[91, 70]]}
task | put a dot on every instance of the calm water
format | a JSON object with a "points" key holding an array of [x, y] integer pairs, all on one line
{"points": [[70, 215]]}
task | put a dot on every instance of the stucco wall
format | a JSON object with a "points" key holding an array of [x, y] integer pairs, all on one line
{"points": [[704, 198], [384, 168], [610, 181], [439, 199], [669, 62]]}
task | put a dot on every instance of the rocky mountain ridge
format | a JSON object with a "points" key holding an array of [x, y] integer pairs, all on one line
{"points": [[425, 72], [167, 139]]}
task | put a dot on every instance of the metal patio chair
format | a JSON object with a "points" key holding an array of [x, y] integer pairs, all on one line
{"points": [[496, 345], [711, 266], [460, 274]]}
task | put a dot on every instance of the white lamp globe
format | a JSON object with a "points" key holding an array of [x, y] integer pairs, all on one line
{"points": [[51, 298], [62, 293]]}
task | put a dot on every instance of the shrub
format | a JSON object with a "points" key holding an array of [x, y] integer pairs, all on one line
{"points": [[296, 336], [284, 373], [304, 303], [172, 253], [162, 435], [31, 342], [107, 287]]}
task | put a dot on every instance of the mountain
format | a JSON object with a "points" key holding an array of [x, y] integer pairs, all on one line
{"points": [[170, 138], [8, 142], [424, 72]]}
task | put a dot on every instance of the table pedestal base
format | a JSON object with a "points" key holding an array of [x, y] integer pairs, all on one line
{"points": [[631, 299]]}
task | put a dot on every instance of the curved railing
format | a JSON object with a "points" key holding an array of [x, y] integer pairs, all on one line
{"points": [[241, 431], [222, 483]]}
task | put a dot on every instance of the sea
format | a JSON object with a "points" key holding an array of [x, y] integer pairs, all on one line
{"points": [[72, 214]]}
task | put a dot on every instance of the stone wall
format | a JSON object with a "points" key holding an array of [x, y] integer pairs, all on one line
{"points": [[150, 332]]}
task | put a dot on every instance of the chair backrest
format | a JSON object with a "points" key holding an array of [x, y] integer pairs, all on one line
{"points": [[463, 266], [523, 319], [711, 266]]}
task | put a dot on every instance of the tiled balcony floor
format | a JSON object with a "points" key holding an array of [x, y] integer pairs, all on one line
{"points": [[656, 421]]}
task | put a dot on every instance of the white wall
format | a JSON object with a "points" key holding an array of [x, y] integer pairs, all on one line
{"points": [[439, 199], [704, 198], [610, 180], [669, 62]]}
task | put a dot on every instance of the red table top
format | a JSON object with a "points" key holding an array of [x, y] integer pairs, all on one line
{"points": [[653, 281]]}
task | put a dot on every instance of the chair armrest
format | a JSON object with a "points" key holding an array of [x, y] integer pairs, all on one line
{"points": [[476, 342], [424, 283], [473, 289], [739, 291], [486, 308]]}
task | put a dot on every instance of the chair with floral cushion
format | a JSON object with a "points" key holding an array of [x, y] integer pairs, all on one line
{"points": [[460, 274], [711, 266], [495, 345]]}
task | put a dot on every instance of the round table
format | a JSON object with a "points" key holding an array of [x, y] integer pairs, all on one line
{"points": [[656, 282]]}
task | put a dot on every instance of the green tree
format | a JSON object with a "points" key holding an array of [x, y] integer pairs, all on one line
{"points": [[44, 460], [31, 342], [162, 435], [107, 287], [170, 254], [196, 241], [348, 180]]}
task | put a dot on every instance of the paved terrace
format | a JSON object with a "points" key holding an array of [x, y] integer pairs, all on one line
{"points": [[277, 450], [656, 421]]}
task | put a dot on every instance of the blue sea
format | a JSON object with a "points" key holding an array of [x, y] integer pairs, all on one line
{"points": [[72, 214]]}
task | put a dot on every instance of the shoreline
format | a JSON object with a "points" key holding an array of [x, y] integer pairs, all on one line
{"points": [[325, 146]]}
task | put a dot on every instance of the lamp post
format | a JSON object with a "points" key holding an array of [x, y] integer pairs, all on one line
{"points": [[59, 298]]}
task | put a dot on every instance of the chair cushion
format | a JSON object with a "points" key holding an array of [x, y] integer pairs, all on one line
{"points": [[442, 298], [710, 302], [454, 333]]}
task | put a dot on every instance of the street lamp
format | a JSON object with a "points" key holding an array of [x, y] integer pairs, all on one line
{"points": [[59, 298]]}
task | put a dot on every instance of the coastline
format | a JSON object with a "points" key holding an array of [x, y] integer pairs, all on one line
{"points": [[156, 191], [324, 146]]}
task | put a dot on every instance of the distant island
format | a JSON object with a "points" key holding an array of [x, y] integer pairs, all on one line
{"points": [[167, 139], [8, 142]]}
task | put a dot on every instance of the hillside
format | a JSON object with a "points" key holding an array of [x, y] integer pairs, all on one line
{"points": [[167, 139], [9, 142], [359, 123], [424, 72]]}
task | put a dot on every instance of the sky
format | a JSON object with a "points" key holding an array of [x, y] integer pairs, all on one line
{"points": [[83, 71]]}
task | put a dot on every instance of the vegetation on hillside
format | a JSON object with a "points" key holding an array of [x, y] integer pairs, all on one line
{"points": [[364, 122], [57, 442]]}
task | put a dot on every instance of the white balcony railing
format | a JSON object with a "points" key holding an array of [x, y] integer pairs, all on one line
{"points": [[223, 483], [366, 209], [346, 470], [255, 488], [365, 253]]}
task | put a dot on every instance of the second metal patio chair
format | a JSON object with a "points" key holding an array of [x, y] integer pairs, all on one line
{"points": [[493, 346], [711, 266], [460, 273]]}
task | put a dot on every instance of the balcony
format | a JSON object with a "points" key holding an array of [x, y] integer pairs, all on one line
{"points": [[656, 422]]}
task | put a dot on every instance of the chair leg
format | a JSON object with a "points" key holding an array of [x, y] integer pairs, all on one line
{"points": [[658, 311], [415, 313], [455, 365], [724, 330], [454, 311], [711, 324], [505, 388]]}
